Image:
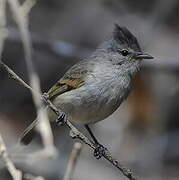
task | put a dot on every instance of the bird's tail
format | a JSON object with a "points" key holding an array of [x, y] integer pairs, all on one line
{"points": [[28, 133]]}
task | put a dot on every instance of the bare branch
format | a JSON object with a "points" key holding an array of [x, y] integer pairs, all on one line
{"points": [[15, 173], [20, 16], [28, 176], [3, 28], [74, 132], [72, 161], [27, 6]]}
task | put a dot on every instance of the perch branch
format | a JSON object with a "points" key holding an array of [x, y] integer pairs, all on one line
{"points": [[74, 132]]}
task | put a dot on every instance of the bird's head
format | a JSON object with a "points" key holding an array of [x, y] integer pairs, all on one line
{"points": [[125, 45]]}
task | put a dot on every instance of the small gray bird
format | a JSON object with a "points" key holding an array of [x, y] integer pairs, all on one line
{"points": [[94, 88]]}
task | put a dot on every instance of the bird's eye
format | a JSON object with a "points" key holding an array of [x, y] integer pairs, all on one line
{"points": [[124, 52]]}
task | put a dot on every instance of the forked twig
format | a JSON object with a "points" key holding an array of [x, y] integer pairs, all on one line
{"points": [[15, 173]]}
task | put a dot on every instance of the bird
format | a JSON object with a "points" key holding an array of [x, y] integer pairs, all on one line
{"points": [[94, 88]]}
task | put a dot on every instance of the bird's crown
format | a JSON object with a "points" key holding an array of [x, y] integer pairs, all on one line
{"points": [[124, 37]]}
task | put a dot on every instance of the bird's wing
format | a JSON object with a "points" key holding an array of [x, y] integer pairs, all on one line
{"points": [[73, 78]]}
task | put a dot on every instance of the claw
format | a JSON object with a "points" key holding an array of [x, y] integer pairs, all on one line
{"points": [[99, 151], [61, 119], [46, 96]]}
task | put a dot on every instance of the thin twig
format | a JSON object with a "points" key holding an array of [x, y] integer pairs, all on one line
{"points": [[4, 156], [20, 13], [15, 173], [72, 161], [3, 28], [27, 6], [28, 176], [74, 132]]}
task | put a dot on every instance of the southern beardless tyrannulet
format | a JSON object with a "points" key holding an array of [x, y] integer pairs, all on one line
{"points": [[94, 88]]}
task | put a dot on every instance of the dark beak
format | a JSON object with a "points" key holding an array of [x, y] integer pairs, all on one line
{"points": [[141, 56]]}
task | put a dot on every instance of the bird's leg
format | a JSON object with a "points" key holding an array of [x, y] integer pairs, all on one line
{"points": [[63, 116], [61, 119], [100, 149]]}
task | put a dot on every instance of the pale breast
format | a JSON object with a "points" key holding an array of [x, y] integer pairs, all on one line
{"points": [[101, 95]]}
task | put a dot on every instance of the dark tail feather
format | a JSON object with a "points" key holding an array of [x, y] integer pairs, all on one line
{"points": [[29, 133]]}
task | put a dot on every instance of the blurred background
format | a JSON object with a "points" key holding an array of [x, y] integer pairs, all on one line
{"points": [[143, 133]]}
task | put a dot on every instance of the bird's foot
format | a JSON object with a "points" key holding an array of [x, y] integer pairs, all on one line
{"points": [[46, 96], [61, 119], [99, 151]]}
